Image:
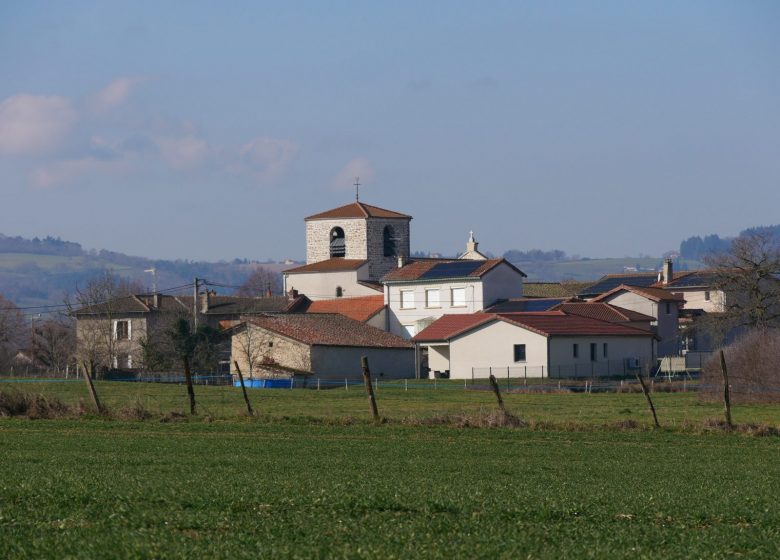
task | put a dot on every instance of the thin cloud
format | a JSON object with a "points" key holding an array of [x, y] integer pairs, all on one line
{"points": [[265, 158], [65, 172], [115, 93], [34, 124], [357, 167], [183, 152]]}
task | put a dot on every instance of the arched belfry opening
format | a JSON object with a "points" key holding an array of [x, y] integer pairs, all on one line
{"points": [[339, 291], [390, 241], [338, 246]]}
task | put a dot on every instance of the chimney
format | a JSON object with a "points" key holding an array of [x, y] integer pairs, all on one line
{"points": [[205, 300], [401, 261], [156, 300], [293, 293], [667, 272]]}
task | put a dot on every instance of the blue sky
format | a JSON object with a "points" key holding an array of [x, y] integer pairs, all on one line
{"points": [[198, 131]]}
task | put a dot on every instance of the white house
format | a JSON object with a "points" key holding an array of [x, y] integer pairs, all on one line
{"points": [[418, 292], [545, 344], [664, 306]]}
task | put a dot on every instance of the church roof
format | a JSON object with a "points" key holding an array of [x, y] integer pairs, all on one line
{"points": [[330, 265], [357, 210]]}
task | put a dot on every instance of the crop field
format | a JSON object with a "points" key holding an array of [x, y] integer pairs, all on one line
{"points": [[311, 477]]}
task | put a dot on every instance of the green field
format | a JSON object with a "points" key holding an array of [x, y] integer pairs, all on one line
{"points": [[305, 481]]}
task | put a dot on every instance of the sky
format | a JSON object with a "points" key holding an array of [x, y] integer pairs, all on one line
{"points": [[208, 131]]}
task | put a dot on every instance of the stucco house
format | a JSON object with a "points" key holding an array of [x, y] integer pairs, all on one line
{"points": [[325, 346], [420, 291], [544, 344], [664, 306]]}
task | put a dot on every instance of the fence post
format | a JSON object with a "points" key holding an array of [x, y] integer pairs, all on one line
{"points": [[292, 382], [525, 375], [497, 391], [369, 387], [406, 385], [726, 395], [346, 385], [465, 386], [243, 389], [507, 378], [647, 396]]}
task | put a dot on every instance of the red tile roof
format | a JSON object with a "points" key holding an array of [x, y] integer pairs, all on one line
{"points": [[328, 329], [450, 326], [357, 210], [655, 294], [546, 323], [330, 265], [602, 312], [358, 308]]}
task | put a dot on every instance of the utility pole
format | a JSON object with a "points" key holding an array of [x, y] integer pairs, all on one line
{"points": [[195, 305]]}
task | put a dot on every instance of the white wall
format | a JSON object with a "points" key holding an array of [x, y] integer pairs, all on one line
{"points": [[322, 285], [502, 282], [399, 317], [492, 345], [695, 299], [666, 324], [619, 348], [343, 362]]}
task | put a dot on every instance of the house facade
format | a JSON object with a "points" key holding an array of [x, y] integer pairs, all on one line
{"points": [[323, 346], [546, 344], [419, 292]]}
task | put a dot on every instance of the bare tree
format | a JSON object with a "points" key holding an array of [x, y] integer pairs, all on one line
{"points": [[748, 275], [12, 333], [260, 282], [54, 343], [95, 307], [252, 347]]}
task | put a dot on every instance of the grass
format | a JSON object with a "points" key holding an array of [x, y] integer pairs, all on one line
{"points": [[302, 482]]}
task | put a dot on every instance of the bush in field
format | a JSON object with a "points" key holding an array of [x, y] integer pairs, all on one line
{"points": [[15, 403], [753, 363]]}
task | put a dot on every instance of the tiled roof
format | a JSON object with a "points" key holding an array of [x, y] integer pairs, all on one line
{"points": [[357, 210], [234, 305], [524, 305], [445, 270], [602, 312], [553, 289], [329, 329], [117, 306], [548, 323], [373, 285], [358, 308], [554, 323], [655, 294], [330, 265], [692, 279], [449, 326]]}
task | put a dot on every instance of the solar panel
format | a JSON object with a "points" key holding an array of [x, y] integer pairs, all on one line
{"points": [[607, 284], [451, 270], [690, 280]]}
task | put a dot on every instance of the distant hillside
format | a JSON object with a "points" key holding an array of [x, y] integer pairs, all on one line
{"points": [[41, 271]]}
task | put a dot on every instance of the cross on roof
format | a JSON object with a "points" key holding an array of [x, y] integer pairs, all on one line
{"points": [[357, 188]]}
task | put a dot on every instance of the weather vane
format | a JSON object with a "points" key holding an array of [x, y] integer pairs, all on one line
{"points": [[357, 188]]}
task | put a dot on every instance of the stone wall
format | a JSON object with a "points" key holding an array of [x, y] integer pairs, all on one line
{"points": [[318, 239], [379, 264]]}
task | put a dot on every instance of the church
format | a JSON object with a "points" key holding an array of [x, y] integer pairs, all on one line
{"points": [[359, 250]]}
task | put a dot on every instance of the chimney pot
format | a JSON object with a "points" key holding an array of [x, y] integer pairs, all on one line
{"points": [[668, 271]]}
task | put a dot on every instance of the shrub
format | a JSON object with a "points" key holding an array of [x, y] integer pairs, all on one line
{"points": [[753, 363]]}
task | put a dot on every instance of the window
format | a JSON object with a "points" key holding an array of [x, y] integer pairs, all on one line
{"points": [[668, 308], [432, 298], [121, 330], [707, 296], [338, 246], [458, 297], [593, 355], [409, 331], [271, 344], [575, 350], [123, 361], [390, 242], [604, 350], [407, 299], [339, 291], [519, 352]]}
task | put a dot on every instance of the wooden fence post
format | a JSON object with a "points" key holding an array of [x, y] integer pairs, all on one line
{"points": [[243, 389], [497, 391], [726, 395], [92, 392], [649, 399], [369, 387]]}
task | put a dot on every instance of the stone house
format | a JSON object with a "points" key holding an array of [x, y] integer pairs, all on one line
{"points": [[323, 346]]}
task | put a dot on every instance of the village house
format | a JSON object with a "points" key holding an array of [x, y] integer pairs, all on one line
{"points": [[312, 346], [544, 344], [366, 309]]}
